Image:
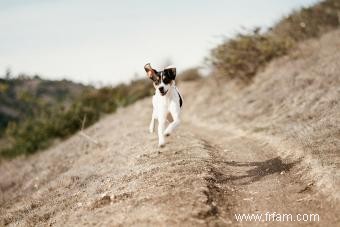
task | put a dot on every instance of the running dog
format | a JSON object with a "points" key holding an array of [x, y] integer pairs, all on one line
{"points": [[166, 102]]}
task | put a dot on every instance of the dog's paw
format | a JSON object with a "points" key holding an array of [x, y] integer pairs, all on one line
{"points": [[167, 132], [151, 128]]}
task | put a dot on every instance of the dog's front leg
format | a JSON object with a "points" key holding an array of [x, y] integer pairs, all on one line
{"points": [[175, 113], [173, 125], [152, 123], [161, 128]]}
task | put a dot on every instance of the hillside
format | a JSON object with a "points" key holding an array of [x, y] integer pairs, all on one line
{"points": [[293, 103], [272, 146], [22, 97], [55, 110]]}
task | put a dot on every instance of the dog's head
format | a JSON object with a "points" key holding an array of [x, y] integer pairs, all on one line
{"points": [[161, 80]]}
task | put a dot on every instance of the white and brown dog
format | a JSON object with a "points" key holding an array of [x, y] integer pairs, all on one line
{"points": [[167, 101]]}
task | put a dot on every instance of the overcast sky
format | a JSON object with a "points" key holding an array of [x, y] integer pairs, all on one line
{"points": [[110, 41]]}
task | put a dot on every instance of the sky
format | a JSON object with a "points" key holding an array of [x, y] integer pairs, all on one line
{"points": [[108, 42]]}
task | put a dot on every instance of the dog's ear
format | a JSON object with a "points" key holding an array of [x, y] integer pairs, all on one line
{"points": [[170, 72], [150, 71]]}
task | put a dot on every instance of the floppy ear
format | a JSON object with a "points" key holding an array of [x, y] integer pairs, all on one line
{"points": [[150, 71], [170, 72]]}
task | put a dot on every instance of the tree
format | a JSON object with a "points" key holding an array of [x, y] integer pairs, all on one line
{"points": [[8, 74]]}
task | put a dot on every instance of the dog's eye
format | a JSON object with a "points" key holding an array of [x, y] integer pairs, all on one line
{"points": [[166, 80], [156, 82]]}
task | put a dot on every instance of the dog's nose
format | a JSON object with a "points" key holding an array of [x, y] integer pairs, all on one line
{"points": [[161, 89]]}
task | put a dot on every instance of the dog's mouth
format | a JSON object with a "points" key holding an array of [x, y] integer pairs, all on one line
{"points": [[163, 93]]}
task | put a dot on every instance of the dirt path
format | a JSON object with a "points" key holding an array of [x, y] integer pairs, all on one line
{"points": [[203, 177], [248, 176]]}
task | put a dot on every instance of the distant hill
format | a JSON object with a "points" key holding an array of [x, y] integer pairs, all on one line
{"points": [[34, 111], [24, 96]]}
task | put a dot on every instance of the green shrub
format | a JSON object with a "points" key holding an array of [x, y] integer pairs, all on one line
{"points": [[37, 132]]}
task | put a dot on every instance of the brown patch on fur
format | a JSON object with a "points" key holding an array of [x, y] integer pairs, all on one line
{"points": [[169, 117], [150, 71]]}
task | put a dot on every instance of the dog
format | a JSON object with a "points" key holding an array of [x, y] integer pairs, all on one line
{"points": [[167, 101]]}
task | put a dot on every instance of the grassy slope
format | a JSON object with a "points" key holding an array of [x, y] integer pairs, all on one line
{"points": [[295, 99], [293, 102]]}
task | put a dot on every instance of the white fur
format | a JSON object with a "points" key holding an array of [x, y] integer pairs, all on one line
{"points": [[162, 106]]}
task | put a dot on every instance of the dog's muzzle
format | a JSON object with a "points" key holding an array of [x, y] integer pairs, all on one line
{"points": [[162, 91]]}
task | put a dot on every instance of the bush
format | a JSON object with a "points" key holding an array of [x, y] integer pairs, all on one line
{"points": [[189, 75], [309, 22], [241, 57]]}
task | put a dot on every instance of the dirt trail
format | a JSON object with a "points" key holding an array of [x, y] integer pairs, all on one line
{"points": [[248, 176], [201, 178]]}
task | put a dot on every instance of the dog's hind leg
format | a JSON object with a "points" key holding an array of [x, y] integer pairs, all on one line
{"points": [[161, 127]]}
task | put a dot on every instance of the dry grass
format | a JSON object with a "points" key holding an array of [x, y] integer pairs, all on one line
{"points": [[309, 22], [189, 75]]}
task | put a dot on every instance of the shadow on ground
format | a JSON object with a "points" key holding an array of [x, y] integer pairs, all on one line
{"points": [[255, 171]]}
